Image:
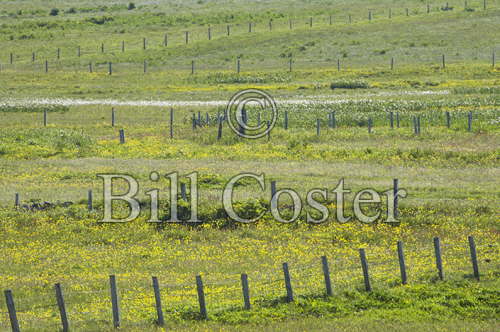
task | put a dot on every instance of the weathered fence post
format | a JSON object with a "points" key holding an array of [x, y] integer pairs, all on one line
{"points": [[391, 119], [334, 120], [165, 40], [110, 68], [270, 25], [171, 122], [249, 26], [12, 311], [469, 121], [364, 266], [186, 33], [370, 125], [246, 292], [102, 48], [145, 66], [326, 274], [238, 66], [369, 15], [428, 8], [273, 188], [310, 22], [32, 56], [58, 53], [288, 283], [448, 119], [317, 127], [90, 67], [285, 125], [397, 119], [192, 67], [392, 63], [268, 130], [443, 60], [330, 22], [123, 46], [143, 43], [62, 307], [290, 65], [46, 66], [11, 58], [159, 311], [228, 27], [395, 188], [183, 192], [219, 130], [89, 200], [122, 136], [402, 265], [201, 297], [112, 117], [473, 256], [209, 32], [16, 200], [114, 301], [418, 124], [338, 64], [45, 118], [407, 12], [439, 262]]}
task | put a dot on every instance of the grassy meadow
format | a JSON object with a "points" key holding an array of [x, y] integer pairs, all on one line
{"points": [[450, 173]]}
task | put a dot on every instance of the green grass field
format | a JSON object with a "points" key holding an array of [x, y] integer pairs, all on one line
{"points": [[450, 173]]}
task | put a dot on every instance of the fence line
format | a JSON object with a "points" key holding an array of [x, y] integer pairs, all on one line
{"points": [[224, 31], [316, 274]]}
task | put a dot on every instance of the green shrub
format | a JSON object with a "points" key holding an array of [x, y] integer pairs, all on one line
{"points": [[349, 85]]}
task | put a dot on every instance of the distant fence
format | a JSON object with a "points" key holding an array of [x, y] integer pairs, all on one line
{"points": [[290, 278], [225, 30]]}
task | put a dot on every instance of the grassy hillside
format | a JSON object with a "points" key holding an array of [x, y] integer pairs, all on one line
{"points": [[450, 173]]}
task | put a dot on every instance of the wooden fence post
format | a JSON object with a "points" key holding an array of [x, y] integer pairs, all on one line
{"points": [[145, 67], [159, 311], [317, 127], [326, 274], [402, 265], [62, 307], [102, 47], [397, 119], [238, 66], [12, 311], [370, 125], [330, 21], [493, 59], [171, 122], [286, 121], [338, 64], [369, 15], [443, 60], [268, 130], [407, 12], [192, 67], [334, 120], [123, 46], [89, 200], [219, 130], [246, 292], [16, 200], [183, 191], [310, 22], [122, 136], [270, 25], [144, 43], [201, 297], [290, 65], [249, 26], [395, 188], [228, 28], [90, 67], [114, 301], [364, 266], [288, 283], [11, 58], [418, 124], [45, 118], [186, 33], [391, 119], [473, 256], [209, 32], [392, 63], [428, 8], [439, 262], [165, 40], [32, 56], [469, 121], [448, 119], [46, 66], [110, 68], [112, 117]]}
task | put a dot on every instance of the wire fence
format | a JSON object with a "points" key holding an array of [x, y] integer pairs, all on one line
{"points": [[221, 294]]}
